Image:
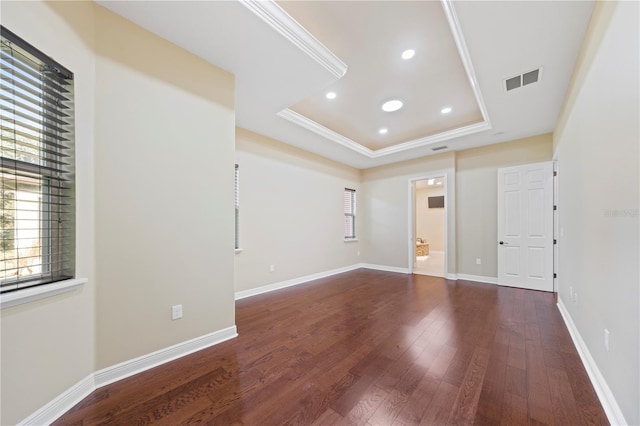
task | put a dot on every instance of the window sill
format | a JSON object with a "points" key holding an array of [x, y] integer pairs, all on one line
{"points": [[238, 250], [27, 295], [350, 240]]}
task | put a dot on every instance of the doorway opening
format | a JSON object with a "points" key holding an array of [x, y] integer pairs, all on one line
{"points": [[429, 226]]}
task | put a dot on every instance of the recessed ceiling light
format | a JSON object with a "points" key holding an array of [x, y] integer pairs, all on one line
{"points": [[446, 110], [392, 105], [331, 95], [408, 54], [430, 181], [383, 131]]}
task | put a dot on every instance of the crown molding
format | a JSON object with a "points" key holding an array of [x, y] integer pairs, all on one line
{"points": [[433, 139], [319, 129], [271, 13], [274, 15], [456, 30], [326, 133]]}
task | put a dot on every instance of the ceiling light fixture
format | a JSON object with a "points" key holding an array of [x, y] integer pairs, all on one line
{"points": [[446, 110], [408, 54], [430, 181], [331, 95], [392, 105], [383, 131]]}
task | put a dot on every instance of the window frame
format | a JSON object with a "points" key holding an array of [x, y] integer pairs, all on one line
{"points": [[350, 214], [48, 159], [237, 208]]}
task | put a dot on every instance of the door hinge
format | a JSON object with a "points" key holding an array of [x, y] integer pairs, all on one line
{"points": [[555, 241], [555, 275], [555, 207], [555, 173]]}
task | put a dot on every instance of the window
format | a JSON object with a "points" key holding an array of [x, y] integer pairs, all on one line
{"points": [[349, 213], [37, 216], [237, 197]]}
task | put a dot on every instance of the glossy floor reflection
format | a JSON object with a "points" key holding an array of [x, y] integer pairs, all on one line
{"points": [[432, 265], [369, 347]]}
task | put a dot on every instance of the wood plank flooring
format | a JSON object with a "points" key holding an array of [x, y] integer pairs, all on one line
{"points": [[369, 348]]}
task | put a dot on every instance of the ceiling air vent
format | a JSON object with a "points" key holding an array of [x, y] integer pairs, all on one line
{"points": [[522, 80], [438, 148]]}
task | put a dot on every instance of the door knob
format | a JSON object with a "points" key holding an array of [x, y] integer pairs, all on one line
{"points": [[502, 243]]}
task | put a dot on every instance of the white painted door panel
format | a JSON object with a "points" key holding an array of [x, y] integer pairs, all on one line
{"points": [[525, 226]]}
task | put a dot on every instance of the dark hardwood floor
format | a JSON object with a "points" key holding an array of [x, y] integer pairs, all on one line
{"points": [[369, 347]]}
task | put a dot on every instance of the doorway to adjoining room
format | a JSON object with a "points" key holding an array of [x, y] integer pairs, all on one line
{"points": [[429, 227]]}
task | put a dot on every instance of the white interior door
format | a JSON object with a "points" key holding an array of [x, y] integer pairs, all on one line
{"points": [[525, 226]]}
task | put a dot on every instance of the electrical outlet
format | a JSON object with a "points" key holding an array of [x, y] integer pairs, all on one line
{"points": [[358, 252], [272, 268], [606, 339], [478, 261], [176, 312], [575, 297]]}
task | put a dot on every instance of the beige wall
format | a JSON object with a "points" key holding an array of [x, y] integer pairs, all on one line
{"points": [[477, 198], [164, 193], [386, 208], [597, 148], [430, 222], [48, 345], [140, 160], [291, 212]]}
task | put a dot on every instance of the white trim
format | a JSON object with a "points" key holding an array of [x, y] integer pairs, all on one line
{"points": [[137, 365], [449, 191], [350, 240], [301, 280], [449, 276], [295, 281], [477, 278], [608, 401], [456, 30], [385, 268], [51, 411], [433, 139], [62, 403], [238, 250], [333, 136], [319, 129], [31, 294], [272, 14]]}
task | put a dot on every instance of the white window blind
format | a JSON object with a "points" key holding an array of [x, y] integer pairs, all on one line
{"points": [[37, 216], [237, 197], [349, 201]]}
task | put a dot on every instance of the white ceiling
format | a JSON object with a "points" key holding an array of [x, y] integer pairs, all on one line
{"points": [[281, 65]]}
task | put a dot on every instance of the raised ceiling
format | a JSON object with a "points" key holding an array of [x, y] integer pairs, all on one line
{"points": [[433, 79], [285, 59]]}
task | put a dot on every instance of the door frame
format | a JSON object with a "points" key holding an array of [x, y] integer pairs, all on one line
{"points": [[449, 218], [553, 218]]}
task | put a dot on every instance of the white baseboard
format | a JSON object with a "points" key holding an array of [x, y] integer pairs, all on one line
{"points": [[137, 365], [295, 281], [69, 398], [608, 401], [477, 278], [449, 276], [62, 403], [397, 269], [301, 280]]}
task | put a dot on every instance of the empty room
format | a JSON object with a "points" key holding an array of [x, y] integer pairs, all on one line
{"points": [[437, 212]]}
